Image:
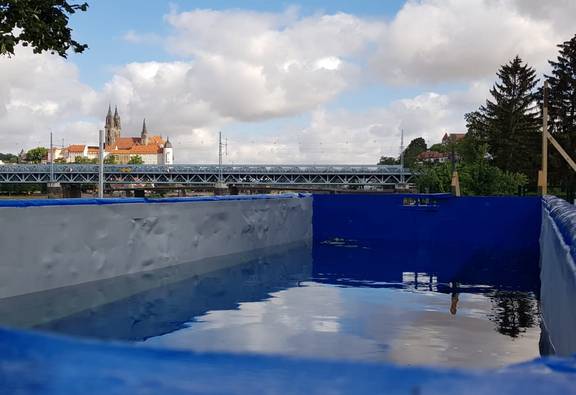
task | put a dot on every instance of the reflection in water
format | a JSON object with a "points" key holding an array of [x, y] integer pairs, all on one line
{"points": [[339, 300], [454, 298], [513, 312]]}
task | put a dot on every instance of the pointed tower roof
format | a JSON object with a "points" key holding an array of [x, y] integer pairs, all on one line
{"points": [[168, 143], [117, 118], [144, 129], [109, 117]]}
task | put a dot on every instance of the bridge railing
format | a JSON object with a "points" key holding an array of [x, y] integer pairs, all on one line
{"points": [[244, 169]]}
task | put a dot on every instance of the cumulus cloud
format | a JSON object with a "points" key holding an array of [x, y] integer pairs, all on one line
{"points": [[39, 94], [434, 41], [253, 66]]}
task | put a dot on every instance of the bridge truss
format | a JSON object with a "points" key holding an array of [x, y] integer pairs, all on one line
{"points": [[281, 175]]}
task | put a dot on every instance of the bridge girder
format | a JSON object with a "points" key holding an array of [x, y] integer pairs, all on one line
{"points": [[352, 175]]}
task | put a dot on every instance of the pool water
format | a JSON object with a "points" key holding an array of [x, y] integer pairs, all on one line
{"points": [[338, 300]]}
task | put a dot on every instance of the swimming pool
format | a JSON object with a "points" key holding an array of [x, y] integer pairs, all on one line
{"points": [[391, 292]]}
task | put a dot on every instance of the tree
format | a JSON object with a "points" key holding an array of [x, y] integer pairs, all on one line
{"points": [[510, 123], [43, 25], [439, 147], [81, 160], [37, 155], [111, 160], [136, 160], [9, 158], [562, 110], [477, 177], [415, 148], [388, 161]]}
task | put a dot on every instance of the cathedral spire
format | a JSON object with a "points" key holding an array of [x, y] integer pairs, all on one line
{"points": [[117, 123], [109, 117], [144, 135]]}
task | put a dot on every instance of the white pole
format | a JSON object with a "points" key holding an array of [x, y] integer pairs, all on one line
{"points": [[220, 175], [402, 155], [51, 160], [101, 164]]}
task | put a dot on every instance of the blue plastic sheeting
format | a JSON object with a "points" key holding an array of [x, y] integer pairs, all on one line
{"points": [[41, 364], [514, 221], [460, 239], [89, 202], [564, 216]]}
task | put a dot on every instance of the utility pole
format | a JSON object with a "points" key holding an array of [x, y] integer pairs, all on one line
{"points": [[543, 174], [51, 160], [221, 188], [220, 171], [402, 179], [101, 164]]}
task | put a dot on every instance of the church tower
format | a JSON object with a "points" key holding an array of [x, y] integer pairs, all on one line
{"points": [[112, 128], [109, 139], [144, 134], [117, 123]]}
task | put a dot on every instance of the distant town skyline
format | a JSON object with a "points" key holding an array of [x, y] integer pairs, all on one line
{"points": [[314, 82]]}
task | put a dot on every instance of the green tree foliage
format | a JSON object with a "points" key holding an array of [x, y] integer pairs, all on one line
{"points": [[415, 148], [136, 160], [439, 147], [36, 155], [388, 160], [84, 161], [111, 160], [41, 24], [510, 123], [476, 178], [9, 158], [562, 110]]}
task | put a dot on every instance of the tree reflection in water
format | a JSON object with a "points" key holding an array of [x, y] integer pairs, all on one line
{"points": [[513, 312]]}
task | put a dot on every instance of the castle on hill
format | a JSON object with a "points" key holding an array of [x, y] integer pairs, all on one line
{"points": [[152, 149]]}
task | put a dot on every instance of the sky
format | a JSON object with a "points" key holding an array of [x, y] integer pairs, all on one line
{"points": [[315, 82]]}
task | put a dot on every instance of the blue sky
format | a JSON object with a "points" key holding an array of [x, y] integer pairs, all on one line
{"points": [[317, 81]]}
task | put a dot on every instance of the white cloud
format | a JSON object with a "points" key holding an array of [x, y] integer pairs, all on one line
{"points": [[432, 41], [39, 94], [253, 66], [134, 37]]}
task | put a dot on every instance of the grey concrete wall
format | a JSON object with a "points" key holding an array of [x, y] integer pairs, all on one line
{"points": [[50, 247]]}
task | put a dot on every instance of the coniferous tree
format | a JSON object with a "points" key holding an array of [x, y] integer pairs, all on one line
{"points": [[562, 111], [510, 123]]}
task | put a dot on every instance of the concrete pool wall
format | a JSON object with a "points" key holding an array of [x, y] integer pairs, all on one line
{"points": [[53, 244]]}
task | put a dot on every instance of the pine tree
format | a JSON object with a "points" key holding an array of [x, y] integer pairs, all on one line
{"points": [[562, 110], [510, 123]]}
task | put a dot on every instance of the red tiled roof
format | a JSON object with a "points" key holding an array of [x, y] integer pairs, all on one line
{"points": [[76, 148], [137, 150], [454, 136]]}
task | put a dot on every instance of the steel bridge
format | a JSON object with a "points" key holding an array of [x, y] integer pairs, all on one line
{"points": [[296, 175]]}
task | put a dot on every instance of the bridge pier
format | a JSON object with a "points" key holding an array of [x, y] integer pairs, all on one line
{"points": [[221, 189], [54, 190], [71, 191]]}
